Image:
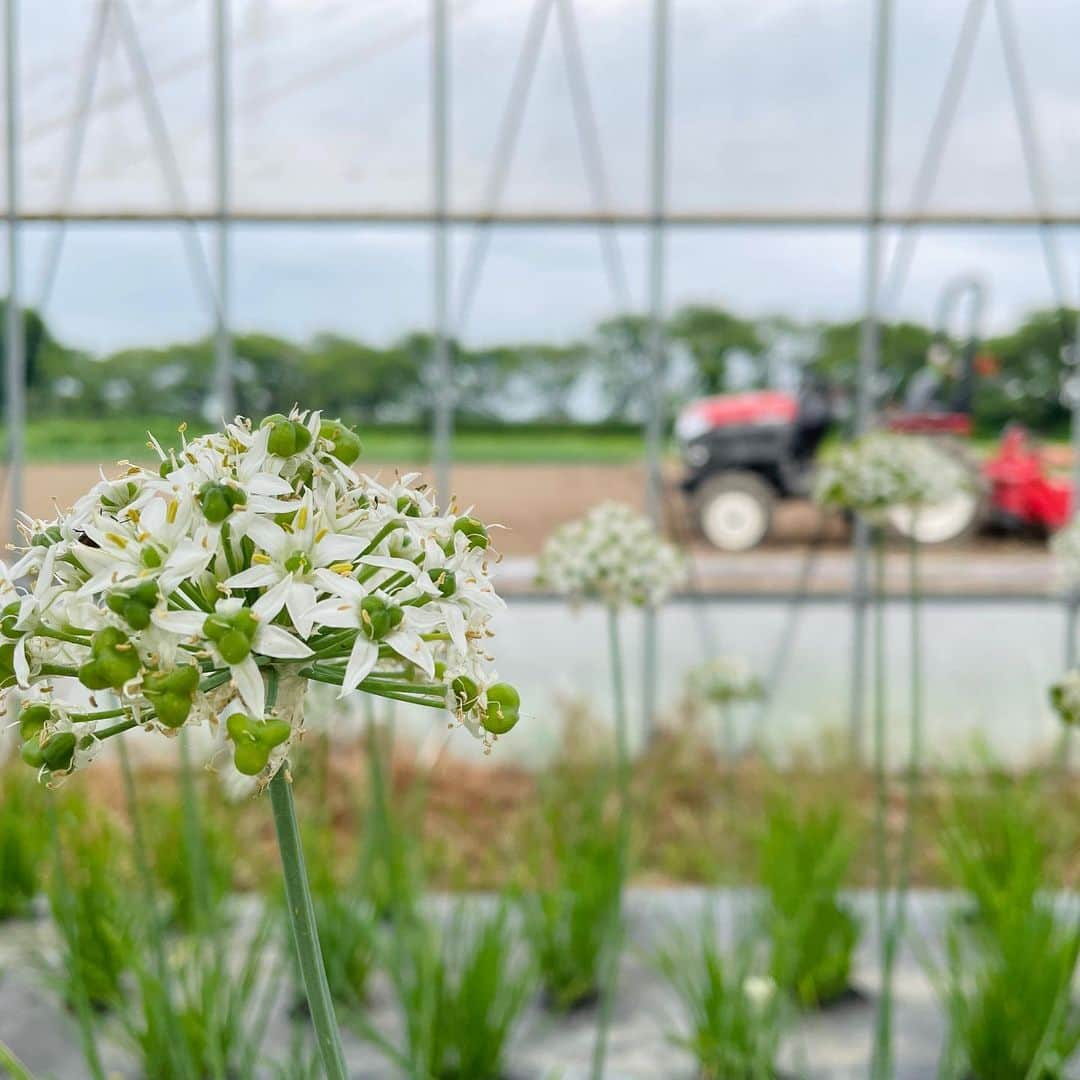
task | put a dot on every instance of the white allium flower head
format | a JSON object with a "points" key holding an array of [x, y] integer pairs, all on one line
{"points": [[251, 562], [613, 554], [724, 680], [882, 470]]}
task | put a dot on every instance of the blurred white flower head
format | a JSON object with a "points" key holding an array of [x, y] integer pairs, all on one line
{"points": [[724, 680], [251, 561], [759, 990], [1065, 697], [883, 470], [613, 554]]}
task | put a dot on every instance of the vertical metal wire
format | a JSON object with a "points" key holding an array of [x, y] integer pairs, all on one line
{"points": [[869, 355], [442, 384], [225, 392], [654, 423], [14, 353]]}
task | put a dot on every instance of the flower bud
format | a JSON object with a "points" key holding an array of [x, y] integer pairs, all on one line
{"points": [[474, 530], [346, 446], [501, 713]]}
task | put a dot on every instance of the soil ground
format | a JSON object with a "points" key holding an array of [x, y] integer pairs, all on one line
{"points": [[531, 500]]}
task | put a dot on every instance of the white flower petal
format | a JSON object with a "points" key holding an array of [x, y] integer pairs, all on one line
{"points": [[277, 642], [248, 680]]}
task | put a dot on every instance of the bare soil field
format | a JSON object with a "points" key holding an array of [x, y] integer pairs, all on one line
{"points": [[530, 500]]}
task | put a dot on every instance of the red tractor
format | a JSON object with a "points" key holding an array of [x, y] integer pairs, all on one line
{"points": [[743, 452]]}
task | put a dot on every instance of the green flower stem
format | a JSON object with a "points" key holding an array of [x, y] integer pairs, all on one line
{"points": [[154, 929], [60, 635], [101, 714], [881, 1062], [117, 729], [305, 933], [59, 670], [14, 1066], [81, 1002], [379, 537], [609, 977]]}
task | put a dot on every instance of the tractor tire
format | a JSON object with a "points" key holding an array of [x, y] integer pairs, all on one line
{"points": [[952, 522], [735, 509]]}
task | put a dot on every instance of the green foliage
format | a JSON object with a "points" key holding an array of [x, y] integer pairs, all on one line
{"points": [[204, 1015], [1008, 995], [89, 898], [711, 336], [571, 912], [735, 1017], [22, 845], [169, 835], [461, 988], [996, 846], [804, 859]]}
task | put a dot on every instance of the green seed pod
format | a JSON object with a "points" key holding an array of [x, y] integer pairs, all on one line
{"points": [[150, 558], [171, 693], [346, 446], [31, 753], [93, 677], [240, 727], [7, 665], [287, 437], [47, 537], [446, 582], [113, 662], [167, 466], [32, 719], [234, 647], [273, 732], [217, 626], [503, 703], [250, 758], [407, 506], [58, 752], [219, 500], [466, 694], [474, 530]]}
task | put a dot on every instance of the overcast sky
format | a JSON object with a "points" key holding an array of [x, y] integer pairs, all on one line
{"points": [[768, 111]]}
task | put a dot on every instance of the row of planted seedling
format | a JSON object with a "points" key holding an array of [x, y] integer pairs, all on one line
{"points": [[463, 972]]}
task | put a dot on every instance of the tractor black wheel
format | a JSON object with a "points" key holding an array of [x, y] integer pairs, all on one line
{"points": [[735, 509]]}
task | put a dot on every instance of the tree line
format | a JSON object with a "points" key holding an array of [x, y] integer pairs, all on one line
{"points": [[600, 378]]}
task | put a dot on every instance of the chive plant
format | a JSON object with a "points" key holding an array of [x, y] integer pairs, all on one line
{"points": [[213, 589]]}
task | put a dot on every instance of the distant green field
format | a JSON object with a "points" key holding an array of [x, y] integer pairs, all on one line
{"points": [[112, 439]]}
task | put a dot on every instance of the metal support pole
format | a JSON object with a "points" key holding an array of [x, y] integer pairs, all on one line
{"points": [[654, 422], [869, 355], [14, 354], [442, 382], [224, 390]]}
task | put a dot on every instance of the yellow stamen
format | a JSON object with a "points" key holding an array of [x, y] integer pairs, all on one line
{"points": [[260, 558], [320, 534], [115, 538], [172, 510], [301, 517], [341, 568]]}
